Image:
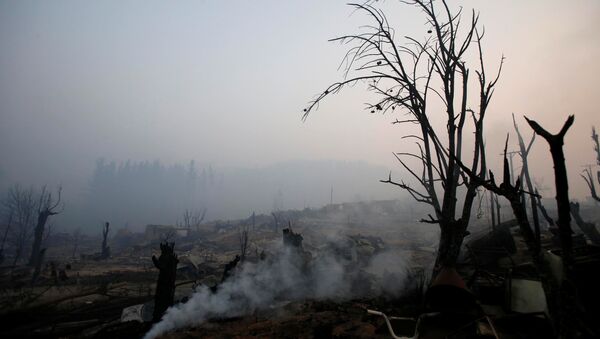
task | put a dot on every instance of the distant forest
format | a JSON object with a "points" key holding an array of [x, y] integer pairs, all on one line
{"points": [[134, 194]]}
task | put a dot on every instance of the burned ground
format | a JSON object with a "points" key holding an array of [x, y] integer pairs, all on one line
{"points": [[348, 265], [86, 295]]}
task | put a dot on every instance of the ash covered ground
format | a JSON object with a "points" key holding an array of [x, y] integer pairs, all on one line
{"points": [[312, 273], [301, 274]]}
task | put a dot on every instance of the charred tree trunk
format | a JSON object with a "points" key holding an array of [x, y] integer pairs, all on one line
{"points": [[493, 210], [165, 286], [38, 265], [451, 238], [105, 254], [512, 193], [521, 214], [588, 228], [18, 253], [534, 210], [8, 224], [556, 142], [545, 214], [589, 180], [587, 175], [46, 208], [498, 207], [596, 147], [524, 151], [567, 297], [38, 236]]}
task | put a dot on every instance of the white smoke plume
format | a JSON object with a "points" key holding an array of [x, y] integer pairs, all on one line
{"points": [[284, 275]]}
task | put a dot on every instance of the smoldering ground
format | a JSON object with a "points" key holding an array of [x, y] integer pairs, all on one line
{"points": [[288, 274]]}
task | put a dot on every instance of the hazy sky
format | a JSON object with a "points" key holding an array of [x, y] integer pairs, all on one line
{"points": [[225, 82]]}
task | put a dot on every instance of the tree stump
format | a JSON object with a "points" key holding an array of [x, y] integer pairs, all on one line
{"points": [[165, 286]]}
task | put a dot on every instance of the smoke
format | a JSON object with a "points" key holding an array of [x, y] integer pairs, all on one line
{"points": [[392, 269], [286, 274]]}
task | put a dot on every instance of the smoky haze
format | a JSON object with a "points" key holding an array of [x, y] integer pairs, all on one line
{"points": [[224, 84]]}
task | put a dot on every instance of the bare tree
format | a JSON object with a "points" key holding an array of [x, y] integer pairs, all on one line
{"points": [[7, 225], [496, 204], [192, 219], [492, 210], [405, 77], [548, 218], [168, 236], [569, 299], [198, 218], [596, 146], [46, 207], [524, 152], [587, 172], [49, 229], [19, 205], [38, 266], [589, 180], [588, 228]]}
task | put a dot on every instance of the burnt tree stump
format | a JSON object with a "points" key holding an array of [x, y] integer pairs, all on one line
{"points": [[165, 285], [291, 239], [105, 254], [39, 259]]}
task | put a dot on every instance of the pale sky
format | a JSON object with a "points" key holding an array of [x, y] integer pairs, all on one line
{"points": [[225, 82]]}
